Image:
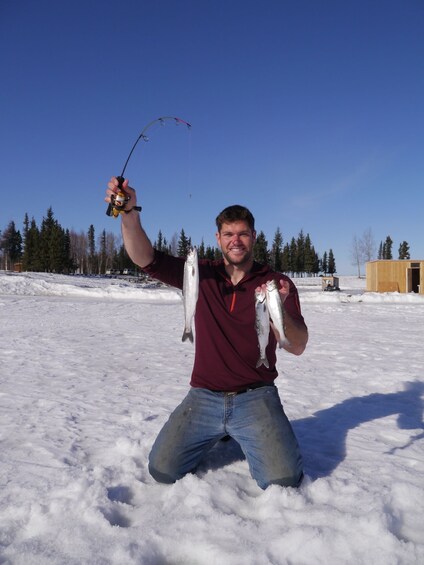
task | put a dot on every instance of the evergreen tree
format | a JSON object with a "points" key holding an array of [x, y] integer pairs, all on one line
{"points": [[201, 250], [293, 256], [11, 245], [173, 245], [285, 259], [123, 260], [404, 250], [217, 254], [260, 249], [309, 256], [183, 245], [317, 263], [102, 253], [159, 243], [380, 251], [387, 248], [48, 240], [331, 263], [300, 253], [31, 258], [276, 251], [68, 264], [57, 255], [92, 260], [210, 253], [324, 263], [26, 228], [165, 246]]}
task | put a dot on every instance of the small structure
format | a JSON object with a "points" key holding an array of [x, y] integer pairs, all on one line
{"points": [[330, 282], [402, 275]]}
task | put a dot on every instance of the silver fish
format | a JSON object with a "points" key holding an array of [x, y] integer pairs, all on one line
{"points": [[275, 308], [190, 292], [262, 326]]}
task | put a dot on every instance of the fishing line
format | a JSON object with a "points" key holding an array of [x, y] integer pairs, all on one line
{"points": [[118, 201]]}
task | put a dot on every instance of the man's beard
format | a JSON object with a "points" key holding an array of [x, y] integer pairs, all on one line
{"points": [[241, 260]]}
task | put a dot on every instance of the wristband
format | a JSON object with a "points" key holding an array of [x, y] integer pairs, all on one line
{"points": [[137, 208]]}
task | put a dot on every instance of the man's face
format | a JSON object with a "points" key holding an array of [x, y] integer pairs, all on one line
{"points": [[236, 241]]}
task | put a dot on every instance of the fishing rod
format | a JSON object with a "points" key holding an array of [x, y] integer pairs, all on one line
{"points": [[118, 201]]}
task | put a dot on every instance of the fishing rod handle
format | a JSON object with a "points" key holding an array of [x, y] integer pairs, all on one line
{"points": [[112, 209]]}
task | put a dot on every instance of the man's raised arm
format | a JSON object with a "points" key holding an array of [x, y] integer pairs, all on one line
{"points": [[136, 242]]}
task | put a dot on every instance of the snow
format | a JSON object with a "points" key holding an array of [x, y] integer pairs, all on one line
{"points": [[90, 369]]}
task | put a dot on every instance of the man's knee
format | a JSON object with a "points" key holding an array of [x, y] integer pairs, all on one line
{"points": [[161, 477]]}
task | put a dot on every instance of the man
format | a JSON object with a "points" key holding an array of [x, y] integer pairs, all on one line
{"points": [[229, 395]]}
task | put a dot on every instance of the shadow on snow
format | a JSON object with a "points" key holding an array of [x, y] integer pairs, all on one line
{"points": [[322, 436]]}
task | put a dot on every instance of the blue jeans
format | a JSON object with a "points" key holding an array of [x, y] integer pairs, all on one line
{"points": [[255, 419]]}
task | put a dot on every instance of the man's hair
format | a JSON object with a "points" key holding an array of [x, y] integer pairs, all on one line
{"points": [[235, 213]]}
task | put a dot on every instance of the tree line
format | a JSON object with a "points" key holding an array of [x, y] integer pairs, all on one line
{"points": [[51, 248], [297, 257]]}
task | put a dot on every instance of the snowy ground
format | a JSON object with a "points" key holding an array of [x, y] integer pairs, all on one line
{"points": [[90, 369]]}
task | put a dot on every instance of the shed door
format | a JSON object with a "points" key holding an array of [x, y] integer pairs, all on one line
{"points": [[413, 280]]}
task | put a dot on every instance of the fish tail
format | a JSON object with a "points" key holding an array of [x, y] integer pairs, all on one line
{"points": [[262, 361], [188, 334]]}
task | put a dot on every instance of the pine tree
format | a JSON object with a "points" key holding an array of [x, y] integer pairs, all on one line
{"points": [[293, 256], [404, 250], [57, 259], [331, 263], [324, 263], [380, 251], [46, 235], [300, 253], [201, 250], [317, 263], [91, 250], [285, 259], [276, 251], [68, 264], [183, 245], [165, 246], [309, 256], [159, 243], [31, 258], [260, 249], [217, 254], [11, 244], [210, 253], [102, 253], [387, 248]]}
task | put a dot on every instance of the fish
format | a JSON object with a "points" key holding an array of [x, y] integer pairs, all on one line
{"points": [[262, 326], [275, 308], [190, 292]]}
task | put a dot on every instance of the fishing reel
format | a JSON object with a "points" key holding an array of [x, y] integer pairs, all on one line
{"points": [[118, 201]]}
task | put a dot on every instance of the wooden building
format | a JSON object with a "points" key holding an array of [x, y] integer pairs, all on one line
{"points": [[329, 282], [402, 275]]}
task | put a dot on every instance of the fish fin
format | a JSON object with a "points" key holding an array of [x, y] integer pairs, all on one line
{"points": [[188, 334]]}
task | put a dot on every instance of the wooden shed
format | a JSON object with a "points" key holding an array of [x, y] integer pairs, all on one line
{"points": [[330, 282], [403, 275]]}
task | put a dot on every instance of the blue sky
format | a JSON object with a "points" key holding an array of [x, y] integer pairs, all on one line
{"points": [[308, 112]]}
